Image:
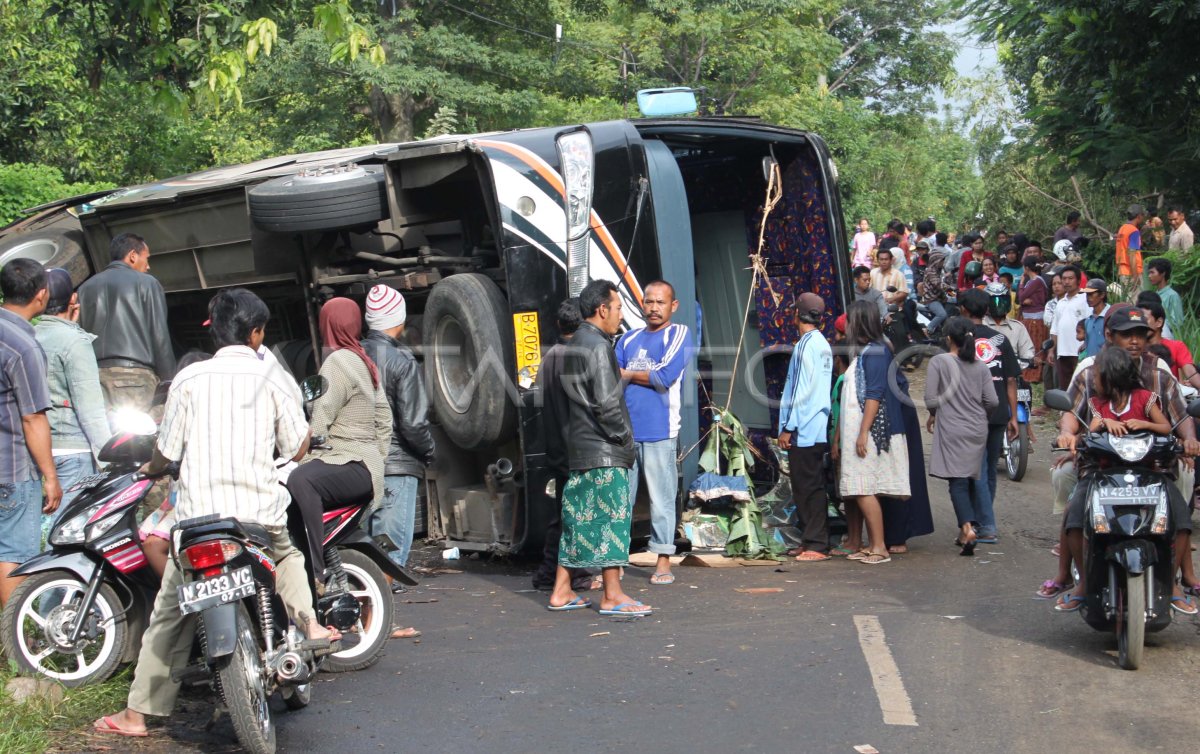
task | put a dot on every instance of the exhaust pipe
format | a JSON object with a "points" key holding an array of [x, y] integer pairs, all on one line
{"points": [[292, 669]]}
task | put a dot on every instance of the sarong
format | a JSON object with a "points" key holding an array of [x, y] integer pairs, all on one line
{"points": [[596, 516]]}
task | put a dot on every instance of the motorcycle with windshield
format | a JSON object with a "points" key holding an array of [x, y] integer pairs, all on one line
{"points": [[1128, 532]]}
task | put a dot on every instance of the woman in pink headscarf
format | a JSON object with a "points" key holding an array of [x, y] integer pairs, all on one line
{"points": [[355, 419]]}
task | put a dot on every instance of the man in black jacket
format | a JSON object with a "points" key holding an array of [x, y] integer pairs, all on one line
{"points": [[555, 413], [596, 511], [124, 307], [412, 444]]}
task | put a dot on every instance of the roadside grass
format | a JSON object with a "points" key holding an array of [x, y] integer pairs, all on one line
{"points": [[40, 725]]}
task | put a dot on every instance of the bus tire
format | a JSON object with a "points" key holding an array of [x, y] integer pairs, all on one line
{"points": [[470, 361], [52, 248], [331, 200]]}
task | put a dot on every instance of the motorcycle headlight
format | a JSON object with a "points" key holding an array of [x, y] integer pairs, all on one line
{"points": [[71, 531], [1131, 448]]}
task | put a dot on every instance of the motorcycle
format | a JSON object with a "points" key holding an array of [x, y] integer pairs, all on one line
{"points": [[246, 645], [85, 602], [1129, 534], [357, 599]]}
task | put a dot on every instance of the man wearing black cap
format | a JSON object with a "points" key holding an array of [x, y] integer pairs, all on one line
{"points": [[1092, 327], [1125, 327], [78, 426], [803, 426]]}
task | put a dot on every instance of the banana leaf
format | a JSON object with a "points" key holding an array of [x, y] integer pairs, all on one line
{"points": [[728, 443]]}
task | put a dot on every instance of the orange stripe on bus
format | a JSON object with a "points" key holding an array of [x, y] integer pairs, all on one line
{"points": [[606, 240]]}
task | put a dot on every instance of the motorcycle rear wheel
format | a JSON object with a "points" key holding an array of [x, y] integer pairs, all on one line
{"points": [[40, 615], [1016, 454], [1131, 622], [243, 687], [369, 586]]}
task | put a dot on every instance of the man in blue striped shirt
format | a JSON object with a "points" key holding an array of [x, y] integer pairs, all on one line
{"points": [[803, 426], [653, 359]]}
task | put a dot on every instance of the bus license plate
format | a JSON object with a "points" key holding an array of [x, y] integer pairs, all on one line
{"points": [[217, 590]]}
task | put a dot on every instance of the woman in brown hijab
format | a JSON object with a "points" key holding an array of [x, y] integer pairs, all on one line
{"points": [[355, 419]]}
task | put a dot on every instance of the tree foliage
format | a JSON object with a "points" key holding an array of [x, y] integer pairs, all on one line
{"points": [[1111, 85]]}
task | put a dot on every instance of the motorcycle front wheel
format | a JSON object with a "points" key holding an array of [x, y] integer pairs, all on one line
{"points": [[242, 685], [39, 618], [1016, 454], [1131, 621]]}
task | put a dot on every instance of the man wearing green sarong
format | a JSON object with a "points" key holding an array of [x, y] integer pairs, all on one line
{"points": [[596, 510]]}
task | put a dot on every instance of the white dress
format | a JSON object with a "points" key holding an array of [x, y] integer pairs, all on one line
{"points": [[879, 473]]}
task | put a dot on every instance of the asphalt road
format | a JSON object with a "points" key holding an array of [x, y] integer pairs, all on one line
{"points": [[956, 650]]}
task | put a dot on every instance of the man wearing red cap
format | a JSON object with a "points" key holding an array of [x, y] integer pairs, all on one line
{"points": [[803, 426]]}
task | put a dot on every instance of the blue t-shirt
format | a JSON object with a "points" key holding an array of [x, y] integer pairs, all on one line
{"points": [[654, 410], [805, 402]]}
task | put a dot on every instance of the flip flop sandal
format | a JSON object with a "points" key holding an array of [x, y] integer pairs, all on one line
{"points": [[1071, 604], [403, 633], [620, 612], [795, 551], [859, 555], [811, 556], [968, 548], [662, 579], [1189, 605], [106, 725], [1051, 589], [876, 559], [841, 552], [579, 603]]}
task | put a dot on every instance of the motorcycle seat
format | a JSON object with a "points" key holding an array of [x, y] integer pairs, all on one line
{"points": [[207, 527], [257, 534]]}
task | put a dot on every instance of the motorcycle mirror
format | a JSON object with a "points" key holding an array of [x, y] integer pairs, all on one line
{"points": [[1059, 400], [133, 421], [312, 388], [1048, 344], [1193, 409]]}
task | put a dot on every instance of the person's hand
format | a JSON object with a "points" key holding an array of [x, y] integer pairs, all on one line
{"points": [[860, 446], [785, 440], [1066, 441], [1014, 429], [835, 452], [1191, 448], [929, 423], [52, 491], [1114, 427], [1137, 425]]}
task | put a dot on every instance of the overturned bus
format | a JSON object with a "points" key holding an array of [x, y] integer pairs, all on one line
{"points": [[485, 235]]}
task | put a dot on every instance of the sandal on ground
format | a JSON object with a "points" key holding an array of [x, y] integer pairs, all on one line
{"points": [[811, 556], [841, 551], [1069, 603], [967, 549], [898, 549], [1056, 551], [579, 603], [106, 725], [1184, 605], [662, 579], [1192, 589], [638, 610], [1051, 589], [795, 551], [876, 559], [404, 633], [859, 555]]}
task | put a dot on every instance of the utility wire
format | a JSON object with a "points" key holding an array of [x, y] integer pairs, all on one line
{"points": [[538, 34]]}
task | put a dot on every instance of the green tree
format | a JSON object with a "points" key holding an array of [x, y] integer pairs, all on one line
{"points": [[1108, 84]]}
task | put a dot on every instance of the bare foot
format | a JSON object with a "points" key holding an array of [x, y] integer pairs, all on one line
{"points": [[898, 549], [316, 631], [404, 633]]}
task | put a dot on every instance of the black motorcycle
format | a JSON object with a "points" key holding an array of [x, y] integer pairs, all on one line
{"points": [[1129, 533]]}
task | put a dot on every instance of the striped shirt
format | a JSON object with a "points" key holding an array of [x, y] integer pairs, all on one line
{"points": [[664, 353], [225, 420], [23, 392]]}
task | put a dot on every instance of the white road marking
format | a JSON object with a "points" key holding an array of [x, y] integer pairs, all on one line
{"points": [[893, 699]]}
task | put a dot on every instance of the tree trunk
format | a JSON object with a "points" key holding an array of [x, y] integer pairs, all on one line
{"points": [[393, 115]]}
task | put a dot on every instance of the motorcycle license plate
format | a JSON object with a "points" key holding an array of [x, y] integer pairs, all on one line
{"points": [[1024, 395], [1138, 496], [87, 482], [217, 590]]}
